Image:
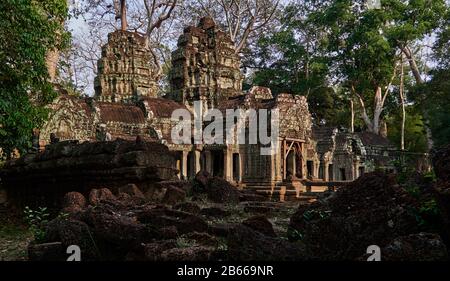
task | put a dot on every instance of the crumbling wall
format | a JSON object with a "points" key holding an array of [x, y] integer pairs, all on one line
{"points": [[205, 65], [43, 178], [125, 70]]}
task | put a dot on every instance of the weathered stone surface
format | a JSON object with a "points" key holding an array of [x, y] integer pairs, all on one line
{"points": [[73, 202], [188, 207], [260, 224], [220, 230], [195, 253], [221, 191], [118, 230], [195, 75], [102, 194], [69, 166], [201, 181], [415, 247], [203, 239], [245, 244], [184, 222], [214, 212], [126, 69], [173, 195], [373, 210], [73, 232], [46, 252], [132, 190], [152, 251]]}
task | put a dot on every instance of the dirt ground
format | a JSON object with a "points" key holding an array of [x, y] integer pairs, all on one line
{"points": [[14, 239]]}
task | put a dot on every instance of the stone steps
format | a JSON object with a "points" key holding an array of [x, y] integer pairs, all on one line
{"points": [[283, 193]]}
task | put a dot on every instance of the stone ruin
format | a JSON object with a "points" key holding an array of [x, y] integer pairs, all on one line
{"points": [[125, 70], [43, 179], [205, 66], [109, 163]]}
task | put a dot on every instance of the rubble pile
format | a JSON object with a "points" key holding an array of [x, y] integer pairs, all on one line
{"points": [[109, 226], [42, 179], [373, 210]]}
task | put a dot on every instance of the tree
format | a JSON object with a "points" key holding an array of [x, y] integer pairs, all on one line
{"points": [[365, 45], [27, 32], [240, 18], [410, 22], [153, 19]]}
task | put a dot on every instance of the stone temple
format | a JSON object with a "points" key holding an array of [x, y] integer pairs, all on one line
{"points": [[207, 69]]}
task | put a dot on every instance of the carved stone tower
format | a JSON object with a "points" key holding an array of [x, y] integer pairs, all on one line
{"points": [[205, 66], [126, 70]]}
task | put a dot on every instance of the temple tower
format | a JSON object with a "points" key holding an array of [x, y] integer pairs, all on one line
{"points": [[125, 70], [205, 66]]}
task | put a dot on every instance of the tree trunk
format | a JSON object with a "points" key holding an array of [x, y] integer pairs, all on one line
{"points": [[123, 15], [402, 101], [416, 72], [352, 121], [378, 108]]}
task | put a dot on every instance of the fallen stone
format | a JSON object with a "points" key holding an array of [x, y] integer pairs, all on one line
{"points": [[132, 190], [73, 202], [188, 207], [102, 194], [173, 195], [53, 251], [246, 244], [214, 212], [221, 191], [260, 224]]}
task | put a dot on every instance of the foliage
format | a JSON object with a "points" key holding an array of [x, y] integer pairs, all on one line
{"points": [[37, 220], [415, 136], [433, 97], [28, 30]]}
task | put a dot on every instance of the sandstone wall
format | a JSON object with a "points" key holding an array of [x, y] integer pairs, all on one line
{"points": [[42, 179]]}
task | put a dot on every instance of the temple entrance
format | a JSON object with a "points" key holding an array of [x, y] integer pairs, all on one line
{"points": [[330, 172], [217, 163], [290, 164], [179, 163], [310, 168], [191, 165], [236, 167], [322, 171]]}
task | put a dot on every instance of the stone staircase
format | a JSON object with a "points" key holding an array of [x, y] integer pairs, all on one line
{"points": [[284, 192]]}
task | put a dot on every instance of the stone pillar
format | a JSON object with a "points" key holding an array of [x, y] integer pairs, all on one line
{"points": [[208, 163], [228, 165], [197, 162], [184, 160], [325, 170]]}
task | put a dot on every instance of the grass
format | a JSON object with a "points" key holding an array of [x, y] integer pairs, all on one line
{"points": [[14, 239]]}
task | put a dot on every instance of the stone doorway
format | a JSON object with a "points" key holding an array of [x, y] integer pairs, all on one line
{"points": [[290, 164], [217, 159], [191, 164], [236, 167]]}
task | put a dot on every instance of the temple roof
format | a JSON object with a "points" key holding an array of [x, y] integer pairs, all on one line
{"points": [[369, 138], [115, 112], [162, 107]]}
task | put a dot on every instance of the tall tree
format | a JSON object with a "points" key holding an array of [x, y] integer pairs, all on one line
{"points": [[154, 19], [27, 32], [241, 18]]}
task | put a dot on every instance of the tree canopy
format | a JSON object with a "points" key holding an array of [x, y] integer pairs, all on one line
{"points": [[28, 30]]}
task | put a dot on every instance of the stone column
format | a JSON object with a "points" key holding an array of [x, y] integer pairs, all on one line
{"points": [[228, 169], [197, 162], [184, 160], [208, 163]]}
